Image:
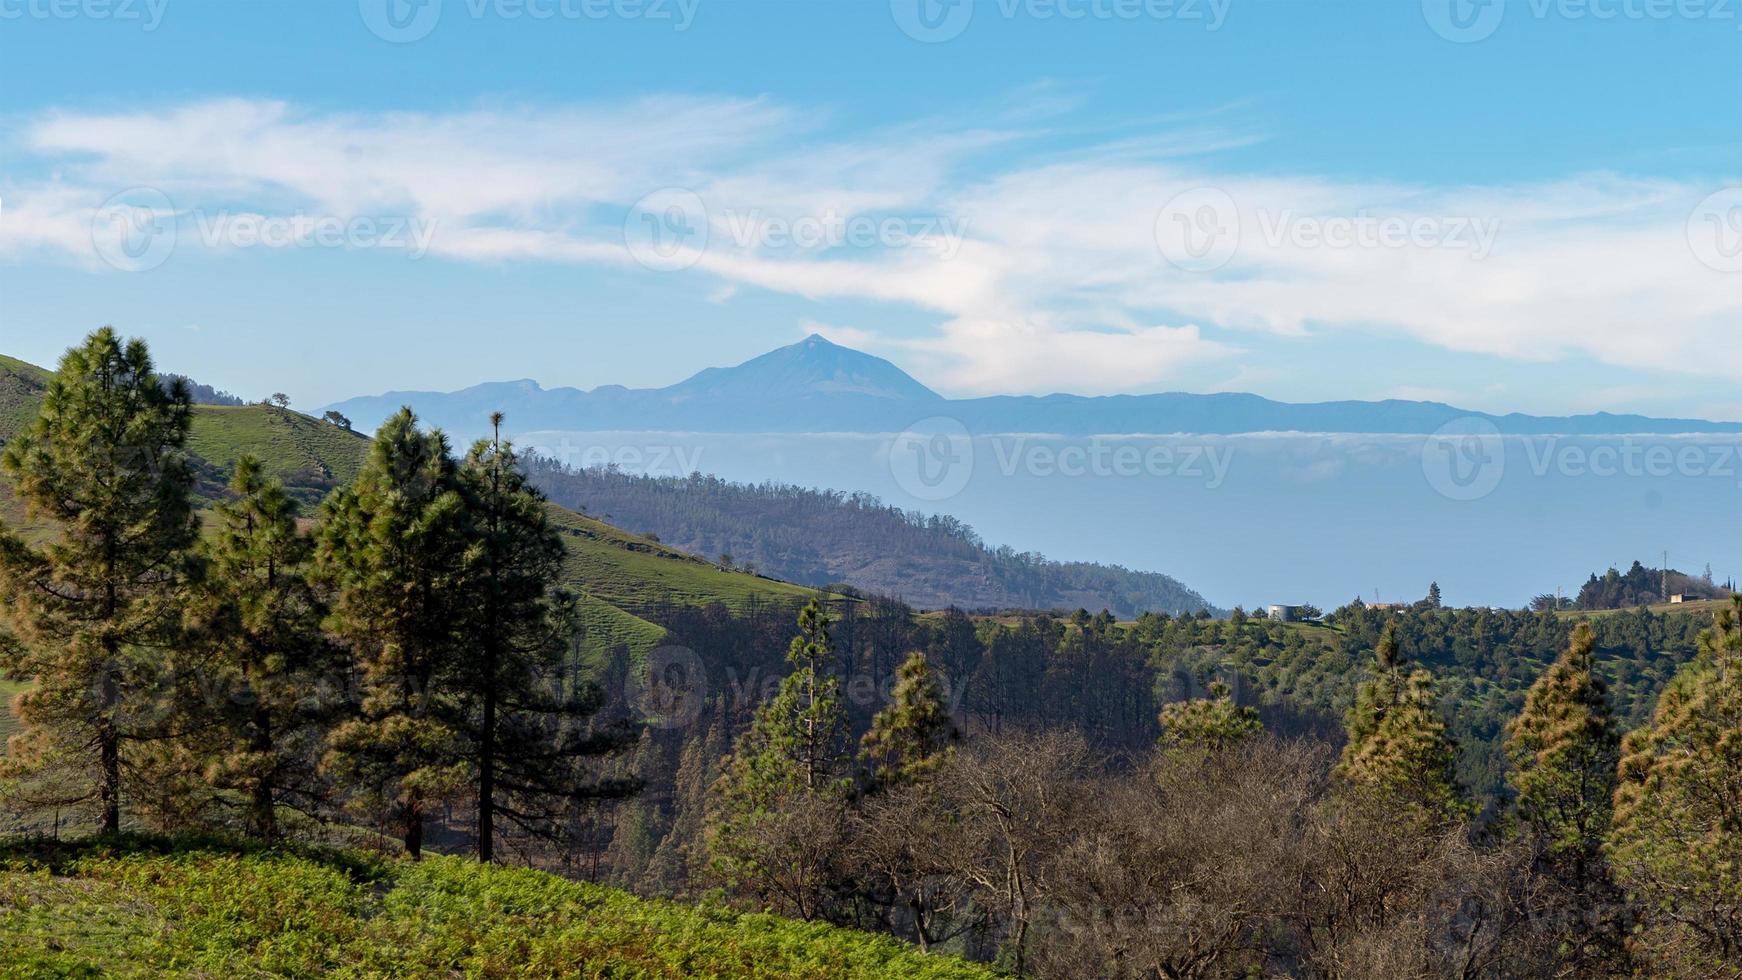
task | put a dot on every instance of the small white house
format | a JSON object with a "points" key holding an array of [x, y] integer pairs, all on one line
{"points": [[1676, 600]]}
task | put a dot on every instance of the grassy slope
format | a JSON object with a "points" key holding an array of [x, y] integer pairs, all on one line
{"points": [[147, 909], [310, 456], [621, 576]]}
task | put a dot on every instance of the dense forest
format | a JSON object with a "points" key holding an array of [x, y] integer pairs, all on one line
{"points": [[823, 537], [1392, 792]]}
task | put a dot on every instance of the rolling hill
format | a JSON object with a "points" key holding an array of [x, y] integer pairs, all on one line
{"points": [[620, 577]]}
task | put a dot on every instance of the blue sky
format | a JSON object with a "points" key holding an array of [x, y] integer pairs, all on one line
{"points": [[1534, 211]]}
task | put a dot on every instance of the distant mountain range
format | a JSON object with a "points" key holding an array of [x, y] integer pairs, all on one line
{"points": [[818, 386]]}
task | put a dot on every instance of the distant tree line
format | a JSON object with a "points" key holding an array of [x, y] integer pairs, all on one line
{"points": [[1641, 586], [200, 394]]}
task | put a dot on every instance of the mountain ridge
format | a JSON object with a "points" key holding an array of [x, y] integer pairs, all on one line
{"points": [[815, 385]]}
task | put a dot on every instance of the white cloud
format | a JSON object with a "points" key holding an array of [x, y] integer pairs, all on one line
{"points": [[1055, 281]]}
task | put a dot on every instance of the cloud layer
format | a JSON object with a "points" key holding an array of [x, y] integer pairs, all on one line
{"points": [[1110, 266]]}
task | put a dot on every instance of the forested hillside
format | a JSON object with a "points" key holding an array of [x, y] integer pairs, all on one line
{"points": [[820, 537], [437, 660]]}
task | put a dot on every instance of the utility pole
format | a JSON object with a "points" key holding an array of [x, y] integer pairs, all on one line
{"points": [[1666, 576]]}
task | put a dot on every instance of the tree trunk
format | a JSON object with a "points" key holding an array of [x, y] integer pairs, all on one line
{"points": [[414, 829], [109, 748], [263, 817], [487, 776], [109, 753]]}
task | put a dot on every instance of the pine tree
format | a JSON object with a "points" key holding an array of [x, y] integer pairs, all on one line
{"points": [[396, 549], [259, 619], [104, 462], [783, 791], [1564, 748], [529, 741], [1398, 746], [1210, 724], [912, 736], [1676, 842], [1433, 595]]}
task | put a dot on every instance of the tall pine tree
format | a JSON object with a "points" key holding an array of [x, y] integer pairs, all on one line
{"points": [[396, 549], [98, 606], [1676, 842], [529, 739], [259, 621], [1564, 748], [781, 799]]}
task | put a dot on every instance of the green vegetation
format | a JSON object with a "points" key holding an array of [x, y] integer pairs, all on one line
{"points": [[641, 575], [621, 578], [132, 907], [309, 456]]}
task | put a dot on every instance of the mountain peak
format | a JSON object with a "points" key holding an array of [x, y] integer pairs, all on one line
{"points": [[813, 366]]}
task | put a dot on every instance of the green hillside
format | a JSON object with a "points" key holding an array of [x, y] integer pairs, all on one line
{"points": [[620, 576], [138, 908], [310, 456]]}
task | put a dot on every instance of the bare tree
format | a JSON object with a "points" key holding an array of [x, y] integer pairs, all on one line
{"points": [[1016, 799], [1179, 871], [895, 859]]}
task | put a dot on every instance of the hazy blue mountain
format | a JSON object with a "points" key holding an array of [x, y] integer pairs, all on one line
{"points": [[818, 386]]}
